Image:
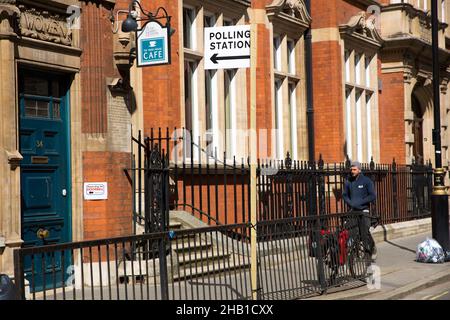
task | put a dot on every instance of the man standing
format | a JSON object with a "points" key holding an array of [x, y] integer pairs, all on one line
{"points": [[359, 193]]}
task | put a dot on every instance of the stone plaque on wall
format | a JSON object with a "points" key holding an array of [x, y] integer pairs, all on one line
{"points": [[119, 122], [44, 25]]}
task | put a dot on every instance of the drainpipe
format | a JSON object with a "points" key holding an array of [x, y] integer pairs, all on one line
{"points": [[309, 87]]}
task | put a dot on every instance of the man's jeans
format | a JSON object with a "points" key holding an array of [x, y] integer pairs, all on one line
{"points": [[364, 226]]}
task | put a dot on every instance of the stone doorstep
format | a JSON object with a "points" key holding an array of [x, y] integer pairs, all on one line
{"points": [[175, 225], [192, 246], [209, 256], [215, 268]]}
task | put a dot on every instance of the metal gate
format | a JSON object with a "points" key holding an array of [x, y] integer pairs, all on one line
{"points": [[150, 181]]}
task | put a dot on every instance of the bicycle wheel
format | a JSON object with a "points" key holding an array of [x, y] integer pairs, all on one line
{"points": [[358, 260], [330, 259]]}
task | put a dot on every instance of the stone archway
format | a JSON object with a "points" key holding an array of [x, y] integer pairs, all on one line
{"points": [[422, 124]]}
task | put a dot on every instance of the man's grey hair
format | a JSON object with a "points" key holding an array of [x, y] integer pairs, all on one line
{"points": [[356, 164]]}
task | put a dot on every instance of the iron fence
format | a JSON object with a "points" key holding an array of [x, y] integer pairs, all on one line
{"points": [[297, 258], [206, 263], [305, 256], [217, 190]]}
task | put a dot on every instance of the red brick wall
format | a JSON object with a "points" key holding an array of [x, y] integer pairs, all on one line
{"points": [[327, 80], [97, 63], [112, 217], [328, 101], [346, 10], [331, 13], [264, 86], [391, 115], [161, 84], [223, 210]]}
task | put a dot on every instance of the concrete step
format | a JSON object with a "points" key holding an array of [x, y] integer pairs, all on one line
{"points": [[211, 269], [184, 240], [175, 225], [191, 246], [191, 259]]}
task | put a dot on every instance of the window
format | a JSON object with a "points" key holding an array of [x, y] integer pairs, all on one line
{"points": [[279, 119], [209, 21], [293, 119], [367, 71], [287, 78], [230, 111], [358, 68], [214, 104], [189, 93], [37, 108], [359, 133], [277, 53], [291, 56], [227, 22], [41, 97], [360, 94], [368, 122], [210, 98], [348, 113], [188, 28], [210, 94], [347, 65]]}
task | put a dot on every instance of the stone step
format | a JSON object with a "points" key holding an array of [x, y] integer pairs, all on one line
{"points": [[175, 225], [184, 237], [212, 269], [191, 246], [190, 259]]}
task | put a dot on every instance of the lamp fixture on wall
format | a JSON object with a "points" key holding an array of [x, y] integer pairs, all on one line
{"points": [[131, 22]]}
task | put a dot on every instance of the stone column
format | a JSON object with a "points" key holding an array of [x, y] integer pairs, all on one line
{"points": [[9, 154], [409, 115]]}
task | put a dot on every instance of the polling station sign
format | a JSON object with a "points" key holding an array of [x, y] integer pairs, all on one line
{"points": [[153, 45], [95, 190], [227, 47]]}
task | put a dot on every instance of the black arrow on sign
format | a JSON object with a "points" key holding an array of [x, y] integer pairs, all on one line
{"points": [[215, 58]]}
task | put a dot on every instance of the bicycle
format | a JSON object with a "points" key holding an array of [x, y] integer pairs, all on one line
{"points": [[346, 248]]}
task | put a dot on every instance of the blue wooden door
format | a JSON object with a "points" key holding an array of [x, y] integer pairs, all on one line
{"points": [[45, 186]]}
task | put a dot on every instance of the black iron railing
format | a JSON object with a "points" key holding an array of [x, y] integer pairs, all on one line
{"points": [[297, 258], [206, 263], [304, 256], [217, 190]]}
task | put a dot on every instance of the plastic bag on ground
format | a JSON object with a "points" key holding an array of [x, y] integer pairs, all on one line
{"points": [[430, 251]]}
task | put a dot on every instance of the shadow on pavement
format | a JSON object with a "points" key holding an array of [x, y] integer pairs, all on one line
{"points": [[399, 246]]}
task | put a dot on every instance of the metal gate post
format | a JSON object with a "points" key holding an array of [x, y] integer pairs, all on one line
{"points": [[163, 269], [164, 224], [321, 186], [320, 262], [394, 189], [19, 280], [311, 190]]}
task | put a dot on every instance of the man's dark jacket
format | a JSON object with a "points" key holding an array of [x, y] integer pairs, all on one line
{"points": [[359, 192]]}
